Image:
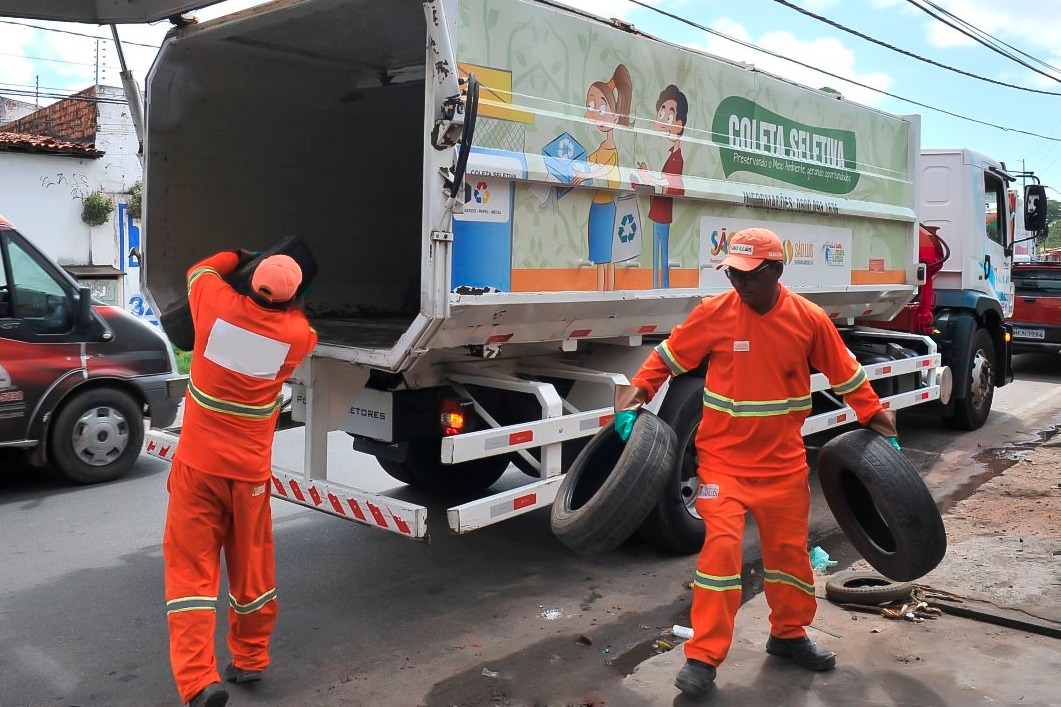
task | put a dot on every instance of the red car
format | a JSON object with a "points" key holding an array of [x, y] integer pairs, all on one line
{"points": [[1036, 319]]}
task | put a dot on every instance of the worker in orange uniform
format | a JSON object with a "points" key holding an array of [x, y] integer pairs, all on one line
{"points": [[245, 348], [760, 340]]}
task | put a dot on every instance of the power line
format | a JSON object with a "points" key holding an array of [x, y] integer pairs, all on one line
{"points": [[894, 48], [1002, 52], [42, 58], [76, 34], [749, 45]]}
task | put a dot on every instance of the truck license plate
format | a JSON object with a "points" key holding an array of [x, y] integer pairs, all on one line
{"points": [[1029, 333]]}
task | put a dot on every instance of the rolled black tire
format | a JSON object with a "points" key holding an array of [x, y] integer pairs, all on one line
{"points": [[97, 435], [423, 469], [673, 524], [882, 505], [864, 587], [971, 411], [612, 485]]}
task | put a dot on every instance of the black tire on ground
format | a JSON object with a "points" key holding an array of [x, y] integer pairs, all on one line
{"points": [[970, 412], [864, 587], [97, 435], [673, 524], [882, 505], [424, 469], [612, 485]]}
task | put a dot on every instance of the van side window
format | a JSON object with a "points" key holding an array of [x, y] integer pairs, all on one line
{"points": [[1046, 282], [5, 293], [37, 296]]}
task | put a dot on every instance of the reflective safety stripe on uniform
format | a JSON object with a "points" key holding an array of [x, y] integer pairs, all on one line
{"points": [[717, 584], [229, 407], [779, 577], [199, 272], [755, 408], [251, 606], [668, 358], [175, 606], [852, 383], [244, 351]]}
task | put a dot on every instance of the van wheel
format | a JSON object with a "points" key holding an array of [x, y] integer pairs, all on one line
{"points": [[97, 435], [673, 524], [970, 412], [424, 469]]}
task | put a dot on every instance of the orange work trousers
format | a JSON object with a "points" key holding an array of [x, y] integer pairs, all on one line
{"points": [[207, 513], [781, 507]]}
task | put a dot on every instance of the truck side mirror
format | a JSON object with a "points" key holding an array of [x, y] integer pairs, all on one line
{"points": [[84, 307], [1035, 207]]}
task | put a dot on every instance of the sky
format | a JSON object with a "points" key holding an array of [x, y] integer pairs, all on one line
{"points": [[63, 63]]}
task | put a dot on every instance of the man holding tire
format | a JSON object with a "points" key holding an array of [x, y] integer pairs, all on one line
{"points": [[760, 340], [245, 348]]}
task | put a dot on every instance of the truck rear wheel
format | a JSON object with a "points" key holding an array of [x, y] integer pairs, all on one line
{"points": [[97, 435], [971, 411], [673, 523], [423, 468]]}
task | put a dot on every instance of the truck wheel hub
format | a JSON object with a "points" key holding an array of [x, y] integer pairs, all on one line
{"points": [[982, 374]]}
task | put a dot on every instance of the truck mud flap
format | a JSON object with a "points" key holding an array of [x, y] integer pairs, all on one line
{"points": [[374, 510]]}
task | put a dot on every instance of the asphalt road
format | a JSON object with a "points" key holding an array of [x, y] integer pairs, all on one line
{"points": [[368, 618]]}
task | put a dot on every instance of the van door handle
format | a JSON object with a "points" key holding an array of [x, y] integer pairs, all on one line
{"points": [[1029, 300]]}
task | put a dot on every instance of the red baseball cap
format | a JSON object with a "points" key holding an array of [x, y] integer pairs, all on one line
{"points": [[747, 249], [277, 278]]}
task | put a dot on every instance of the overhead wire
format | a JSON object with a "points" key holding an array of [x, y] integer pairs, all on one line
{"points": [[892, 47], [76, 34], [911, 101]]}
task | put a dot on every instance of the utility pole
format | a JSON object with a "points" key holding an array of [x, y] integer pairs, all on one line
{"points": [[97, 63], [37, 92]]}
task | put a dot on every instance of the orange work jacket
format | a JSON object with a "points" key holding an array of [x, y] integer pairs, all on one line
{"points": [[243, 354], [757, 392]]}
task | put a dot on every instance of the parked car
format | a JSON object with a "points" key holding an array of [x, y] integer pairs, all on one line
{"points": [[77, 377], [1036, 316]]}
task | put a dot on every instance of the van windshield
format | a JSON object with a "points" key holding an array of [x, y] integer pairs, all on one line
{"points": [[1046, 281]]}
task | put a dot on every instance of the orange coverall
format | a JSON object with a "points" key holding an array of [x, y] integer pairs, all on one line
{"points": [[750, 449], [219, 482]]}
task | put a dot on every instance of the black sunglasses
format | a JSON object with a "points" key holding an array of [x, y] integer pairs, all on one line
{"points": [[747, 275]]}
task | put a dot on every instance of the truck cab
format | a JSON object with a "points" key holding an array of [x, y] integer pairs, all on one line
{"points": [[76, 377]]}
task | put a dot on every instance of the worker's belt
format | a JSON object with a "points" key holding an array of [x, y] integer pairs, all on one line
{"points": [[779, 577], [252, 606], [228, 407], [755, 408], [717, 583]]}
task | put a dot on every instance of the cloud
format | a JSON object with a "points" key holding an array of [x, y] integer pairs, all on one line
{"points": [[15, 68], [828, 53]]}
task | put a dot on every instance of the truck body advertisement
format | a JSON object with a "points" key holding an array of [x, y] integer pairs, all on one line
{"points": [[621, 154]]}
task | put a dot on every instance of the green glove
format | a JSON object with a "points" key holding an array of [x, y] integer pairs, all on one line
{"points": [[624, 423], [894, 441]]}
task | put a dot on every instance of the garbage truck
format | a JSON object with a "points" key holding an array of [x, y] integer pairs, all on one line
{"points": [[512, 201]]}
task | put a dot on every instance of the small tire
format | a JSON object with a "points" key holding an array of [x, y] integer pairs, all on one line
{"points": [[863, 587], [673, 525], [971, 411], [882, 505], [612, 485], [97, 435], [424, 469]]}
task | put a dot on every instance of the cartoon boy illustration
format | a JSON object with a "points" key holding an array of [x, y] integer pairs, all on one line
{"points": [[672, 113], [607, 105]]}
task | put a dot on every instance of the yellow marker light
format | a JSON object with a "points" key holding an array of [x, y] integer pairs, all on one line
{"points": [[1009, 337]]}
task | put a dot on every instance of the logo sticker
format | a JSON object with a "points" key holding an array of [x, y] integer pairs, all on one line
{"points": [[708, 491], [742, 346], [742, 248], [258, 490]]}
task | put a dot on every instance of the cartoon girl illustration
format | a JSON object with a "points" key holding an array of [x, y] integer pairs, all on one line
{"points": [[672, 113], [607, 105]]}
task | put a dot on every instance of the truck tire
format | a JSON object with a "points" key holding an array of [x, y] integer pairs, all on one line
{"points": [[971, 411], [97, 435], [864, 587], [423, 468], [673, 524], [613, 485], [882, 505]]}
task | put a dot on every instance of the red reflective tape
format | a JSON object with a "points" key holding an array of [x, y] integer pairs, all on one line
{"points": [[834, 315], [297, 491], [647, 329], [377, 514], [866, 311], [403, 527], [926, 363], [924, 396], [580, 333], [315, 495], [885, 404], [151, 445], [164, 451], [521, 437], [498, 338], [356, 508], [523, 501], [841, 418], [336, 504], [886, 369], [605, 419], [279, 487]]}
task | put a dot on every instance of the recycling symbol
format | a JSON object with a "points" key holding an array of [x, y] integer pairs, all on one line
{"points": [[627, 228], [565, 149]]}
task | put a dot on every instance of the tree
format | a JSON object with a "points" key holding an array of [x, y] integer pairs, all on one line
{"points": [[1053, 223]]}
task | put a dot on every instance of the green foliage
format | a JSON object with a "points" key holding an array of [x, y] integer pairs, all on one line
{"points": [[1053, 222], [184, 360], [136, 199], [97, 208]]}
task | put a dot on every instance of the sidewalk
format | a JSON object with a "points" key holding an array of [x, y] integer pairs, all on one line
{"points": [[1004, 547]]}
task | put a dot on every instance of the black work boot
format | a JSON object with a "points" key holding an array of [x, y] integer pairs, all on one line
{"points": [[802, 652], [239, 675], [213, 695], [695, 678]]}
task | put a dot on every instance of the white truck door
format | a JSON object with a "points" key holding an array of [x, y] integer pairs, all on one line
{"points": [[102, 12], [997, 260]]}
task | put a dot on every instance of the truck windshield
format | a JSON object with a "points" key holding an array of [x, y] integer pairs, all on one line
{"points": [[1038, 282]]}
